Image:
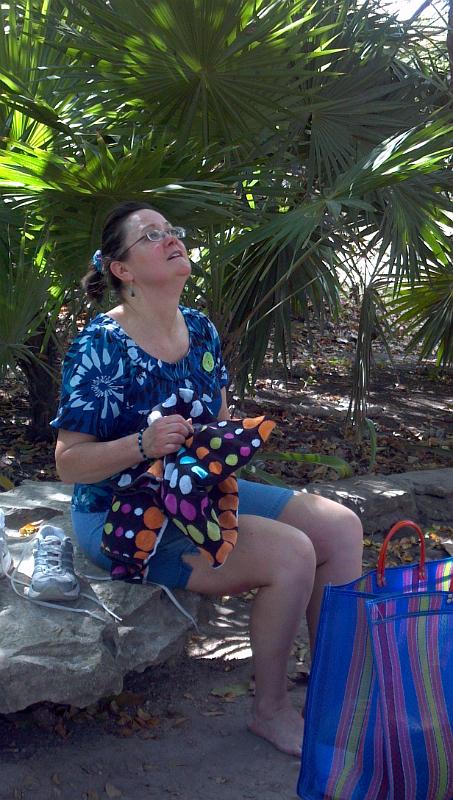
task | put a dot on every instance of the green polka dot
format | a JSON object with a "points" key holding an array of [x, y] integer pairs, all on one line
{"points": [[196, 535], [180, 526], [108, 527], [215, 443], [116, 505], [213, 531], [208, 361], [214, 515], [231, 460]]}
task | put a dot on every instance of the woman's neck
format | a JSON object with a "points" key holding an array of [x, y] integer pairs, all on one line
{"points": [[158, 312]]}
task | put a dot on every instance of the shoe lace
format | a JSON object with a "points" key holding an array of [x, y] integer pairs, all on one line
{"points": [[53, 556], [15, 581]]}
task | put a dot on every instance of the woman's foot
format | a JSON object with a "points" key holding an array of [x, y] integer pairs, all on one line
{"points": [[284, 729]]}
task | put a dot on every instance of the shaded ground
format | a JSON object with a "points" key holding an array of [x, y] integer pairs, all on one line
{"points": [[179, 731]]}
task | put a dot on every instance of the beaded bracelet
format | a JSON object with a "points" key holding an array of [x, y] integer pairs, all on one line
{"points": [[140, 444]]}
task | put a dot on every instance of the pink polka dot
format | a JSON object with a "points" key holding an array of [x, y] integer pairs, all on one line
{"points": [[204, 503], [229, 436], [119, 531], [171, 503], [188, 510], [126, 508], [245, 451]]}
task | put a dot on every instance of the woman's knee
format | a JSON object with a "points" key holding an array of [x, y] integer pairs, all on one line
{"points": [[350, 529], [296, 558]]}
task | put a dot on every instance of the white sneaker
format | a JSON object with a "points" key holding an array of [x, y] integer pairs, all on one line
{"points": [[53, 574], [6, 562]]}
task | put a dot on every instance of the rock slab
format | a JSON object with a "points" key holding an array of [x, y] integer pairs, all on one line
{"points": [[47, 654]]}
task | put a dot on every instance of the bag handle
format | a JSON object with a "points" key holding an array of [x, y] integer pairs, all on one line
{"points": [[404, 523]]}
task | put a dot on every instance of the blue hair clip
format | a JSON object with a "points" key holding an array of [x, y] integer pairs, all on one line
{"points": [[96, 260]]}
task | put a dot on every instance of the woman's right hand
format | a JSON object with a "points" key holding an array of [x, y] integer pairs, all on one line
{"points": [[166, 435]]}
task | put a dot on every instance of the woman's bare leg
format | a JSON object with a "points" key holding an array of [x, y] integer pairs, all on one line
{"points": [[280, 561], [337, 537]]}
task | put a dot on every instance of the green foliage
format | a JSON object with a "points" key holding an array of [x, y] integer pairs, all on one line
{"points": [[291, 138], [255, 468]]}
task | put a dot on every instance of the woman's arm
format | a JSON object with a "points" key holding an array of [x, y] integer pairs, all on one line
{"points": [[224, 412], [81, 458]]}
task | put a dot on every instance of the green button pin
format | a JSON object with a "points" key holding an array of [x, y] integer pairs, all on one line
{"points": [[208, 361]]}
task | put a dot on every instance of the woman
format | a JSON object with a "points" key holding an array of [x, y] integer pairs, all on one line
{"points": [[290, 544]]}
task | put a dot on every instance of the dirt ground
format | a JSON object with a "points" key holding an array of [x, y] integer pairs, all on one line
{"points": [[176, 731]]}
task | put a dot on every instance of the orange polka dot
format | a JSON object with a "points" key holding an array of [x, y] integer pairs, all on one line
{"points": [[223, 552], [216, 468], [228, 485], [207, 556], [141, 555], [156, 469], [188, 442], [145, 540], [229, 501], [230, 536], [153, 517], [251, 422], [227, 519], [265, 429], [202, 452]]}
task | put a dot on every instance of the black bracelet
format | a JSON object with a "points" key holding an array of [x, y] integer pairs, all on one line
{"points": [[140, 444]]}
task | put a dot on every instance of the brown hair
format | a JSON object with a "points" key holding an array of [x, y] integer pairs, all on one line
{"points": [[112, 245]]}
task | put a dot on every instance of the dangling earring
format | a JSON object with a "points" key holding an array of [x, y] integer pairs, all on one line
{"points": [[131, 290]]}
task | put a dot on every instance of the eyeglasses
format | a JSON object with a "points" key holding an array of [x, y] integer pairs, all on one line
{"points": [[156, 236]]}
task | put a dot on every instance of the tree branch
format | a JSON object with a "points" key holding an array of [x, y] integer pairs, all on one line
{"points": [[419, 11]]}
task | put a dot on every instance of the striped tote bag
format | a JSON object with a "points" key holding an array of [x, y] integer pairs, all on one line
{"points": [[379, 716]]}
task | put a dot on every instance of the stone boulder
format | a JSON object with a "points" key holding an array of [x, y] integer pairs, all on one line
{"points": [[424, 496], [48, 654]]}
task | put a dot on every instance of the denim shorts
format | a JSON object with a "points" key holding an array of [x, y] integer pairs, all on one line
{"points": [[166, 566]]}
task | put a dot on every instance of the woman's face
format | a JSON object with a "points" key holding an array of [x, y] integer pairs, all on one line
{"points": [[164, 262]]}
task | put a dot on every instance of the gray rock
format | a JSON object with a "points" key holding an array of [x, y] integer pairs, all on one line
{"points": [[48, 654], [423, 496]]}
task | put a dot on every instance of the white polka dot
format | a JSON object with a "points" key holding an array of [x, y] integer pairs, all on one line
{"points": [[138, 512], [238, 431], [185, 484], [169, 469], [196, 409], [256, 442], [223, 423], [153, 416], [170, 401], [174, 478], [129, 534], [125, 480], [186, 394]]}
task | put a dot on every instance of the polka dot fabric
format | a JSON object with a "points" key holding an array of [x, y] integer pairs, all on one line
{"points": [[195, 488]]}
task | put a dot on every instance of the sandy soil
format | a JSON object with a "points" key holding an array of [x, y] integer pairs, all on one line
{"points": [[168, 735]]}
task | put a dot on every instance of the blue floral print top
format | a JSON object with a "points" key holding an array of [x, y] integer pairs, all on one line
{"points": [[109, 386]]}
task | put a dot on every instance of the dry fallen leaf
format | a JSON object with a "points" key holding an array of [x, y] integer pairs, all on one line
{"points": [[231, 691], [112, 791], [30, 528], [213, 713]]}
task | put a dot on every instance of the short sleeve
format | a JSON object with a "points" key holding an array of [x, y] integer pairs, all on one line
{"points": [[92, 390]]}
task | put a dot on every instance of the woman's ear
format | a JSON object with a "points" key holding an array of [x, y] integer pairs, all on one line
{"points": [[121, 271]]}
